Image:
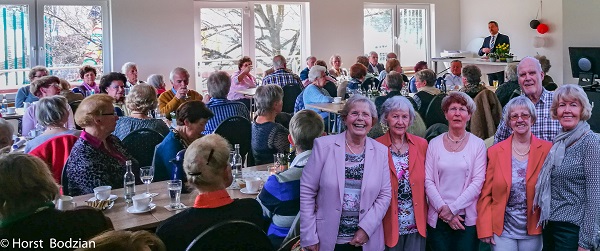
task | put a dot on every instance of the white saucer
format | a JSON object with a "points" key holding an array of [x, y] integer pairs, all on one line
{"points": [[132, 210], [245, 191], [6, 113], [112, 197]]}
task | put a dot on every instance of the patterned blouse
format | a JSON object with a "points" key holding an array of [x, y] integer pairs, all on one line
{"points": [[406, 211], [355, 166]]}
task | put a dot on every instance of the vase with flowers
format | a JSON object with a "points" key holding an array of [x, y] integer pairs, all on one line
{"points": [[503, 51], [492, 56]]}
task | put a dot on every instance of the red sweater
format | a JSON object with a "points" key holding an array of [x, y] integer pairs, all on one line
{"points": [[55, 153]]}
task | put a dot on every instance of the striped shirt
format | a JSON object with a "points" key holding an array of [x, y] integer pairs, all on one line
{"points": [[544, 127], [281, 77], [223, 109]]}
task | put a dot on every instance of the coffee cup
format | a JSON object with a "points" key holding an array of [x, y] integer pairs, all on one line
{"points": [[65, 203], [102, 192], [253, 184], [141, 201], [11, 110], [337, 100]]}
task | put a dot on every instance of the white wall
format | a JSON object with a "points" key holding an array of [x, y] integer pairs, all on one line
{"points": [[158, 34], [513, 20], [580, 29]]}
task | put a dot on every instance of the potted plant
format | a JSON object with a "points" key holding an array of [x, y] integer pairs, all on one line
{"points": [[510, 57], [492, 56], [503, 51]]}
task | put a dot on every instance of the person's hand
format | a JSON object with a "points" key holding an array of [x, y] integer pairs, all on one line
{"points": [[181, 93], [312, 247], [582, 249], [486, 50], [456, 223], [247, 69], [206, 98], [360, 238], [488, 240], [445, 214]]}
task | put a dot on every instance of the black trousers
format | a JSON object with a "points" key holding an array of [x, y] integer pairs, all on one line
{"points": [[444, 238], [347, 247], [561, 236], [496, 76]]}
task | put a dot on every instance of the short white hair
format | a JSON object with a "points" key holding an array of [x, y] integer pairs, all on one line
{"points": [[127, 66], [315, 72]]}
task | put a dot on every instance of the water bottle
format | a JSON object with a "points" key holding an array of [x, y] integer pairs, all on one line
{"points": [[237, 161], [4, 105], [128, 182], [291, 156]]}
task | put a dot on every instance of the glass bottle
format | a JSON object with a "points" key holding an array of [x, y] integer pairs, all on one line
{"points": [[236, 163], [128, 182]]}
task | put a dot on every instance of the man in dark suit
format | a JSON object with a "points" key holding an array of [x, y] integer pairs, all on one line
{"points": [[489, 45], [374, 67]]}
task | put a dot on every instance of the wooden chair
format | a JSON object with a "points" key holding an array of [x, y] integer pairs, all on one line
{"points": [[238, 130], [232, 235], [141, 144]]}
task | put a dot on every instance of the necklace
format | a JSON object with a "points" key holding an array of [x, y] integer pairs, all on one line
{"points": [[517, 151], [349, 148], [455, 141], [398, 149]]}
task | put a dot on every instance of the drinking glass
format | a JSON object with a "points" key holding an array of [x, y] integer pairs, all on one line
{"points": [[175, 193], [280, 160], [147, 175]]}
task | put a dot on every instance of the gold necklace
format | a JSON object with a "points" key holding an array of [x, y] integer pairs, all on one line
{"points": [[519, 153]]}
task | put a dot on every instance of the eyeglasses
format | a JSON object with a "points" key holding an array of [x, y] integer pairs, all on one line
{"points": [[117, 87], [456, 109], [516, 117]]}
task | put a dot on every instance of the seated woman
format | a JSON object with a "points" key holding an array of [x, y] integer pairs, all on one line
{"points": [[51, 113], [421, 65], [242, 80], [24, 95], [142, 99], [510, 89], [471, 75], [330, 85], [395, 83], [98, 157], [315, 93], [358, 75], [88, 86], [27, 192], [207, 168], [336, 70], [158, 82], [192, 117], [126, 240], [65, 91], [47, 86], [268, 137], [6, 136], [547, 82], [113, 84]]}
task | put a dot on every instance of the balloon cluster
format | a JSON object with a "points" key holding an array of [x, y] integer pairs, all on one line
{"points": [[540, 27]]}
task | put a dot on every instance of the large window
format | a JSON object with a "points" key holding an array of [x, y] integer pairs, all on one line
{"points": [[61, 35], [226, 32], [403, 29]]}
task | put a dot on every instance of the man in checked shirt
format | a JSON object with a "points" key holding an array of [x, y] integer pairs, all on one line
{"points": [[530, 75]]}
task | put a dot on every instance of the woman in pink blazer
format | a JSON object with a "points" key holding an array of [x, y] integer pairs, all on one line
{"points": [[345, 186]]}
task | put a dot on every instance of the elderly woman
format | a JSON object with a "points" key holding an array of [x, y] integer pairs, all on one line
{"points": [[43, 87], [405, 223], [242, 80], [141, 100], [65, 91], [506, 217], [6, 136], [158, 82], [219, 84], [471, 76], [395, 83], [510, 88], [547, 82], [391, 64], [113, 84], [454, 173], [425, 82], [315, 93], [336, 70], [88, 86], [421, 65], [567, 189], [27, 193], [330, 81], [345, 186], [24, 94], [207, 168], [268, 137], [52, 113], [98, 157], [130, 70], [192, 117], [358, 73]]}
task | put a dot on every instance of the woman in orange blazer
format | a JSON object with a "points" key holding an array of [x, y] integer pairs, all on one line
{"points": [[506, 217], [405, 221]]}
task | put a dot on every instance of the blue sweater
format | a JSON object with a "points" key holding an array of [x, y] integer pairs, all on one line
{"points": [[166, 151]]}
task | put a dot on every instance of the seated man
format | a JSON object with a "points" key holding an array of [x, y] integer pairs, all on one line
{"points": [[280, 197], [281, 76], [169, 101], [374, 67], [24, 95], [454, 78], [310, 61], [219, 84]]}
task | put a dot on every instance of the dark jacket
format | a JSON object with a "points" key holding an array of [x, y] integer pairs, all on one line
{"points": [[500, 39]]}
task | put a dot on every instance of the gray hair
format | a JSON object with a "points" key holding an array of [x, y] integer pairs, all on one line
{"points": [[356, 98], [178, 70], [218, 84], [311, 57], [538, 66], [397, 103], [127, 66], [279, 62], [51, 111], [571, 92], [544, 63], [334, 56], [459, 98], [510, 72], [315, 72], [203, 170], [142, 98], [395, 80], [155, 80], [373, 52], [6, 133], [472, 73], [305, 127], [427, 76], [266, 96], [520, 102]]}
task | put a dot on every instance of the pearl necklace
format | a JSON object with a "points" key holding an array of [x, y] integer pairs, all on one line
{"points": [[455, 141], [349, 148], [517, 151]]}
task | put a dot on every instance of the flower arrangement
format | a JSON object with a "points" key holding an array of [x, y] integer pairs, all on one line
{"points": [[503, 51]]}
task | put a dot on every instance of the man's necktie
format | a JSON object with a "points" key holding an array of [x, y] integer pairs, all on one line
{"points": [[492, 42]]}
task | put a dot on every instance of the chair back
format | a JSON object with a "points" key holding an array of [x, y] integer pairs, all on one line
{"points": [[247, 236], [141, 143], [434, 113], [290, 93], [237, 130], [287, 246], [64, 181], [74, 105]]}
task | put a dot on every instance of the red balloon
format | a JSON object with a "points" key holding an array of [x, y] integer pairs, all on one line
{"points": [[542, 28]]}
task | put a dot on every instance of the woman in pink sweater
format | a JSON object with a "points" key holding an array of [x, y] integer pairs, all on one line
{"points": [[454, 174]]}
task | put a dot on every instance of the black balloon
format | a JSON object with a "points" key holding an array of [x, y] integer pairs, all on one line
{"points": [[534, 23]]}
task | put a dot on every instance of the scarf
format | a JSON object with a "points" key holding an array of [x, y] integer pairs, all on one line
{"points": [[212, 199], [543, 195]]}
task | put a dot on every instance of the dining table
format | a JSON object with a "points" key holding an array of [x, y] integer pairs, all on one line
{"points": [[333, 109], [123, 220]]}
